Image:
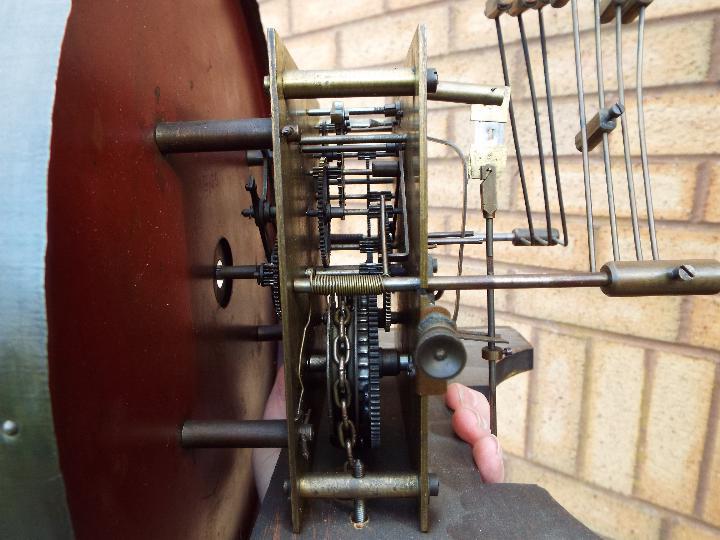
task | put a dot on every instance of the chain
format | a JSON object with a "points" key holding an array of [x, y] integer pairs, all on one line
{"points": [[346, 431]]}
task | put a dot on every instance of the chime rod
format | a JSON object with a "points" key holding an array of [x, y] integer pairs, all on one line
{"points": [[605, 136], [538, 130], [583, 131], [643, 140], [625, 134], [513, 124], [551, 121]]}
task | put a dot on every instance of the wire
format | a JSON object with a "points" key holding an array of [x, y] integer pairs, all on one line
{"points": [[461, 248]]}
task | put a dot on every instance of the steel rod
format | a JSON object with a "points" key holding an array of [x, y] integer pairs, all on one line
{"points": [[643, 140], [513, 124], [538, 129], [551, 122], [583, 131], [383, 237], [362, 181], [491, 323], [269, 332], [341, 149], [355, 139], [626, 134], [235, 434], [605, 137], [450, 234], [249, 271], [214, 135], [470, 240], [519, 281], [351, 111], [513, 281]]}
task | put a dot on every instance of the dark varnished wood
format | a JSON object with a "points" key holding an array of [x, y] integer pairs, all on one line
{"points": [[137, 341]]}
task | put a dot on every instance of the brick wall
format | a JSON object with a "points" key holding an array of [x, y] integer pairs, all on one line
{"points": [[619, 419]]}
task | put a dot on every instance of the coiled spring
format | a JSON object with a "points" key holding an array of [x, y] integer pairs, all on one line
{"points": [[347, 284]]}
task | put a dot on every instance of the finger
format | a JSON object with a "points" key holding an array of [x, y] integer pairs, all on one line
{"points": [[470, 425], [489, 459], [275, 404], [459, 395]]}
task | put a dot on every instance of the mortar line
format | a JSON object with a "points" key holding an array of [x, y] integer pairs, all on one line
{"points": [[661, 511], [580, 456], [650, 362], [702, 494]]}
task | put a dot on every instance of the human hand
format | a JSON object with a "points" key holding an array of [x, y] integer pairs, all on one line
{"points": [[471, 422]]}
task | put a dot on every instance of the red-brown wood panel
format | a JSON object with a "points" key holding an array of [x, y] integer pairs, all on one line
{"points": [[137, 341]]}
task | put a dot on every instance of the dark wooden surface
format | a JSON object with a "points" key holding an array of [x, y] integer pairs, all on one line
{"points": [[465, 507], [137, 341]]}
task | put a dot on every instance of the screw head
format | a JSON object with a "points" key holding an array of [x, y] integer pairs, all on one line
{"points": [[685, 272], [10, 428], [289, 132]]}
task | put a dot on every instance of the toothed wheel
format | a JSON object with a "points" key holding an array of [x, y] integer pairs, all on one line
{"points": [[387, 311], [275, 286], [367, 358], [322, 198]]}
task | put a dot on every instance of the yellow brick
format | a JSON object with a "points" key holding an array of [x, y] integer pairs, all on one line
{"points": [[681, 7], [556, 401], [572, 257], [672, 199], [613, 417], [400, 4], [675, 241], [682, 529], [276, 14], [308, 55], [695, 105], [445, 177], [675, 433], [677, 52], [387, 39], [472, 29], [481, 67], [308, 15], [512, 396], [712, 201], [592, 309], [608, 515], [438, 128], [704, 328], [711, 510]]}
